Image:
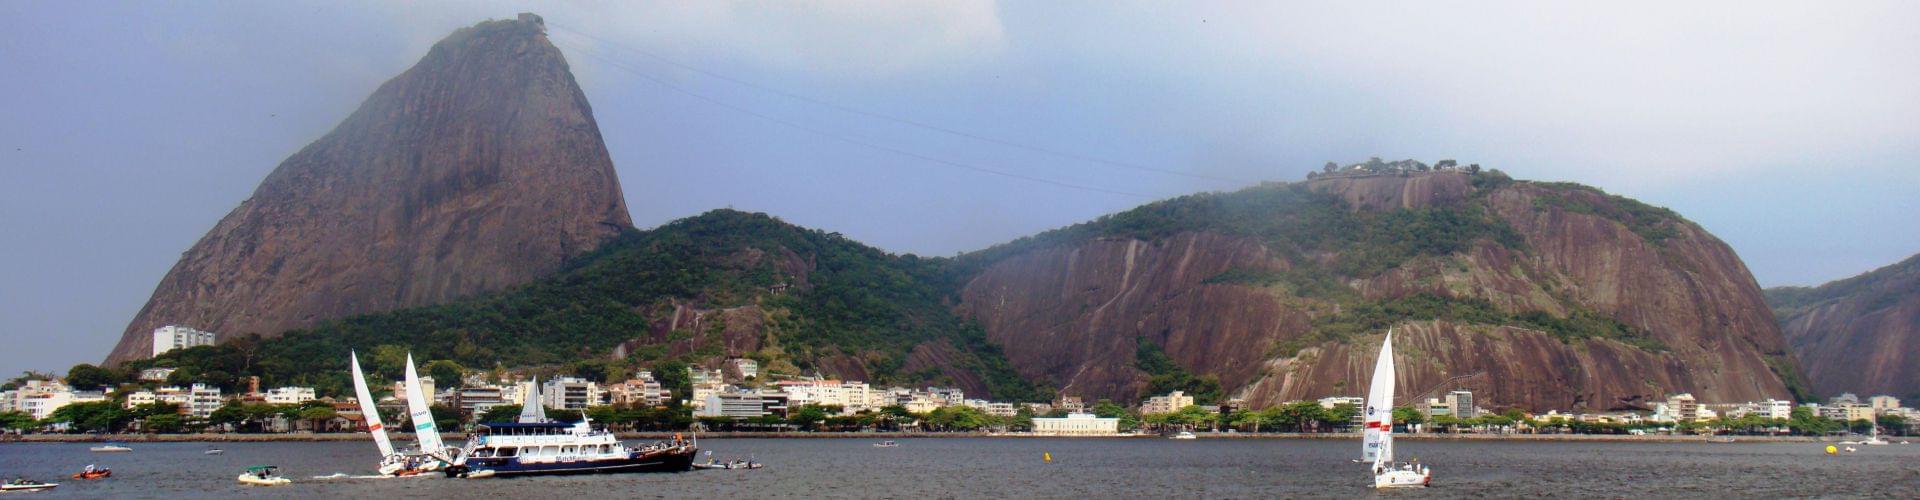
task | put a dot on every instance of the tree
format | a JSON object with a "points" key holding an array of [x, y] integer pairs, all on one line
{"points": [[165, 423], [1445, 164], [673, 376], [446, 418], [102, 416], [317, 416], [807, 417], [88, 377], [446, 373], [1407, 415], [1330, 167], [1895, 424], [1341, 415], [16, 421], [501, 413], [1473, 168]]}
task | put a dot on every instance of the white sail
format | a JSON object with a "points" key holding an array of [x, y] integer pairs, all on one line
{"points": [[531, 410], [368, 409], [417, 410], [1378, 446]]}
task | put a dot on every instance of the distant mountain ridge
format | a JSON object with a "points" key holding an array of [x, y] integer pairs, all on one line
{"points": [[478, 169], [1860, 334]]}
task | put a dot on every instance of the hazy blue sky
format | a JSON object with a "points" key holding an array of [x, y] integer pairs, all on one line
{"points": [[1789, 130]]}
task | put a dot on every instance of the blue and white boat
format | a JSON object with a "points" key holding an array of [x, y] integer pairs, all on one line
{"points": [[537, 446]]}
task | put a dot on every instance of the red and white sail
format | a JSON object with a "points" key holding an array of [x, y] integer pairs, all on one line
{"points": [[368, 409], [1378, 447]]}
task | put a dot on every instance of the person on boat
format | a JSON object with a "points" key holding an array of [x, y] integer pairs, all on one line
{"points": [[89, 469]]}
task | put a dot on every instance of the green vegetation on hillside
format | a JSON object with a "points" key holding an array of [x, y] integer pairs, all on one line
{"points": [[1653, 224], [1789, 301], [1167, 376], [859, 301]]}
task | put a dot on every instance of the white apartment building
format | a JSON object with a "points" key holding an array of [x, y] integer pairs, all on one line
{"points": [[571, 393], [850, 396], [200, 400], [290, 395], [426, 389], [1882, 403], [172, 337], [41, 397], [1076, 424], [1169, 403], [742, 405]]}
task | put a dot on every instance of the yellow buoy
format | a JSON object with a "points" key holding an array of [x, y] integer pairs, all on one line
{"points": [[1047, 457], [1832, 451]]}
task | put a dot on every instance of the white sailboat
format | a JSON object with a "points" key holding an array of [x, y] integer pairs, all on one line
{"points": [[1377, 447], [388, 459], [424, 431]]}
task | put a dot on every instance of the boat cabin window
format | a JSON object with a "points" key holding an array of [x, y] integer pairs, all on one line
{"points": [[567, 450], [483, 452], [506, 452]]}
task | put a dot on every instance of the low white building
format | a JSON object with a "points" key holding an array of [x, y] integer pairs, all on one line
{"points": [[1076, 424], [41, 397], [290, 395], [172, 337]]}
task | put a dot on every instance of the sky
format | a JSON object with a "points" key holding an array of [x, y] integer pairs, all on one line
{"points": [[1786, 129]]}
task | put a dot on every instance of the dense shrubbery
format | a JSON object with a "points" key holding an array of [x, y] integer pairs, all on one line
{"points": [[1653, 224], [1166, 376]]}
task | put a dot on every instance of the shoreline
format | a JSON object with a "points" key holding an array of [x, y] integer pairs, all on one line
{"points": [[311, 437]]}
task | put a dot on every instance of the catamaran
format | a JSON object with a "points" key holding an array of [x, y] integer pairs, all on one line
{"points": [[535, 445], [1377, 448]]}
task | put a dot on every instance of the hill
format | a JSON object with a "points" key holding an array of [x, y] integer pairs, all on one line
{"points": [[695, 291], [1540, 295], [1860, 334], [478, 169]]}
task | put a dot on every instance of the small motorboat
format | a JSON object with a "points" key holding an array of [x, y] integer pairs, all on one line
{"points": [[110, 448], [886, 444], [24, 484], [1184, 435], [736, 464], [263, 475], [215, 451], [92, 473]]}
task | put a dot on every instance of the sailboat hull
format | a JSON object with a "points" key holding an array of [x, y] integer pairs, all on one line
{"points": [[1402, 479]]}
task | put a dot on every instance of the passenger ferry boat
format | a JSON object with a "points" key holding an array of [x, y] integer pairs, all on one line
{"points": [[537, 446]]}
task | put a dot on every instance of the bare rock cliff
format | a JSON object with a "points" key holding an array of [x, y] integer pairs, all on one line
{"points": [[478, 169], [1860, 334], [1560, 297]]}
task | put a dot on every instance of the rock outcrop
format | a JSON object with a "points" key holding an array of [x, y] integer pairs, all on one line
{"points": [[1860, 334], [478, 169], [1544, 296]]}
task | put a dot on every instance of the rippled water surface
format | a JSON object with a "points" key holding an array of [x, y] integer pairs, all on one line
{"points": [[1000, 468]]}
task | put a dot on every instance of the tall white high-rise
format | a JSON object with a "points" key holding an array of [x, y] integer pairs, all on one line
{"points": [[172, 337]]}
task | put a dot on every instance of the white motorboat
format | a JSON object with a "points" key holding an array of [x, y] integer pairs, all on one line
{"points": [[886, 444], [110, 448], [263, 475], [26, 485], [1184, 435], [1377, 447]]}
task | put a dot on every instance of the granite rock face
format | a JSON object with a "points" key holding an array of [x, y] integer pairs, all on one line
{"points": [[478, 169], [1860, 334], [1070, 311]]}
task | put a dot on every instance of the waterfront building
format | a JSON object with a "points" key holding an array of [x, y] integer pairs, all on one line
{"points": [[1683, 408], [1002, 409], [290, 395], [1331, 401], [705, 383], [1460, 404], [1076, 424], [640, 391], [1847, 412], [202, 400], [426, 388], [40, 398], [849, 396], [172, 337], [1778, 409], [156, 374], [744, 405], [1037, 408], [1434, 407], [475, 399], [570, 393], [1169, 403], [947, 396], [1882, 403]]}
